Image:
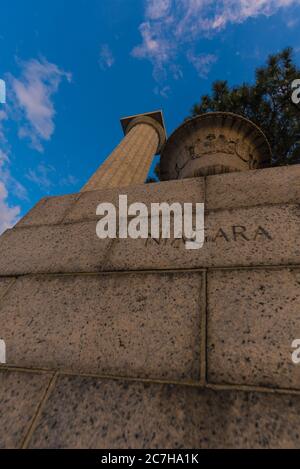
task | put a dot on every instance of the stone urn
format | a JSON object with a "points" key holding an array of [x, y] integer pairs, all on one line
{"points": [[214, 143]]}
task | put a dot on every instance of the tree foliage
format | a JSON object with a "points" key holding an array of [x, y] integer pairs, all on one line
{"points": [[267, 102]]}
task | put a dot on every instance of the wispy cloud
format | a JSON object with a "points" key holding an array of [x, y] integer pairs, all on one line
{"points": [[8, 215], [41, 176], [292, 22], [164, 91], [31, 105], [106, 58], [156, 45], [172, 27], [202, 62], [157, 8], [68, 180], [3, 118], [33, 99]]}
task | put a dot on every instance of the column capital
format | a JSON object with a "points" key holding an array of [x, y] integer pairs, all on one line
{"points": [[154, 119]]}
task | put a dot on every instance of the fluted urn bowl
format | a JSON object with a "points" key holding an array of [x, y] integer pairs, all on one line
{"points": [[214, 143]]}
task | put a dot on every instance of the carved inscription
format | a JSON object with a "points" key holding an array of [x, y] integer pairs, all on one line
{"points": [[212, 144], [234, 233]]}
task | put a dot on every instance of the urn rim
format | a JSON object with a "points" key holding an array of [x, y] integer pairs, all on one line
{"points": [[250, 126]]}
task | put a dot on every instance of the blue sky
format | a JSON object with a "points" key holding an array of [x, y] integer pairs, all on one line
{"points": [[74, 67]]}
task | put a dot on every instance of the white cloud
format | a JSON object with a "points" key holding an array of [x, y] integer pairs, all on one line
{"points": [[164, 91], [156, 9], [292, 22], [202, 62], [41, 175], [8, 215], [106, 58], [11, 184], [156, 46], [33, 93], [18, 189], [171, 27], [237, 11], [32, 106], [68, 180], [3, 117]]}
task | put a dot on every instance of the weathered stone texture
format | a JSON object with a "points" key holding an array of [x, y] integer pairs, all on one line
{"points": [[253, 318], [224, 191], [144, 325], [212, 143], [20, 396], [129, 163], [50, 249], [151, 325], [94, 413], [240, 237], [4, 284], [49, 211], [257, 187], [191, 190]]}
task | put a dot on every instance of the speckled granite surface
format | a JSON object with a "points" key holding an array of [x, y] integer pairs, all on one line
{"points": [[20, 396], [4, 284], [51, 249], [191, 190], [110, 324], [256, 187], [238, 237], [94, 413], [253, 316], [49, 210], [222, 317]]}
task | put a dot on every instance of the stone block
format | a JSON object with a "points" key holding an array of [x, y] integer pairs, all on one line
{"points": [[49, 249], [20, 396], [189, 190], [144, 325], [4, 284], [48, 211], [256, 187], [94, 413], [239, 237], [253, 318]]}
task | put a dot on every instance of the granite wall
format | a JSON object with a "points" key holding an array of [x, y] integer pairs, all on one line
{"points": [[144, 344]]}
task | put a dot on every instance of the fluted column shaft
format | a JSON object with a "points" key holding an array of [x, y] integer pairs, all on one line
{"points": [[130, 162]]}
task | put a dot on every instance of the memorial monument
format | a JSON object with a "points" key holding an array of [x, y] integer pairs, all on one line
{"points": [[134, 343]]}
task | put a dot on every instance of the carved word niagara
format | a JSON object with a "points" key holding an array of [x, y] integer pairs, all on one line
{"points": [[164, 221]]}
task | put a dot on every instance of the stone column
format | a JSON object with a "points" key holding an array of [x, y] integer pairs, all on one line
{"points": [[130, 162]]}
